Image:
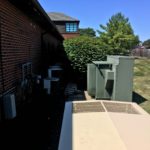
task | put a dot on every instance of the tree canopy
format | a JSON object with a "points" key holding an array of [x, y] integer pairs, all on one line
{"points": [[87, 32], [118, 34], [117, 38]]}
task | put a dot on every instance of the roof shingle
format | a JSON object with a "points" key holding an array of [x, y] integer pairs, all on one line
{"points": [[55, 16]]}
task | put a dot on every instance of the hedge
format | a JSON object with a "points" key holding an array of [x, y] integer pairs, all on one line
{"points": [[83, 50]]}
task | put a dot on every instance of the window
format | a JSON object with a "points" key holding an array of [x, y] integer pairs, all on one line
{"points": [[71, 27]]}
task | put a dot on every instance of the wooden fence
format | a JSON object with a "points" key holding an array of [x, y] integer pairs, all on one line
{"points": [[141, 52]]}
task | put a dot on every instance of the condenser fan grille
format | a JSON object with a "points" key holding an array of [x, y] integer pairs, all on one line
{"points": [[104, 106], [120, 107], [88, 107]]}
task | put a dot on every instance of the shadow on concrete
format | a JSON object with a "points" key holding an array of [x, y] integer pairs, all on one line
{"points": [[138, 98], [55, 116], [28, 130]]}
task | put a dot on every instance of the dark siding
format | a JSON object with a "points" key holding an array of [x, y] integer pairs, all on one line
{"points": [[61, 26], [50, 53]]}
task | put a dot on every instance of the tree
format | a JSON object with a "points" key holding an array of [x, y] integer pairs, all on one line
{"points": [[147, 43], [87, 32], [118, 35]]}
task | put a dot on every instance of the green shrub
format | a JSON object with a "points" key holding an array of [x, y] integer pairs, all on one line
{"points": [[83, 50]]}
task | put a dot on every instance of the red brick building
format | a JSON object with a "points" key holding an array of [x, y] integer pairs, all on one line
{"points": [[29, 41], [67, 26]]}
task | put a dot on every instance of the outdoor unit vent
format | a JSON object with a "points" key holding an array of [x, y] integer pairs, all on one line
{"points": [[54, 71], [120, 108], [53, 79], [104, 106], [88, 107]]}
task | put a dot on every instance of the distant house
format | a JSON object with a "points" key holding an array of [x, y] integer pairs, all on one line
{"points": [[29, 40], [67, 25], [141, 51]]}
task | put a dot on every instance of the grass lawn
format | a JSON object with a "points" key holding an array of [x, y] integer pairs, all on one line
{"points": [[141, 83]]}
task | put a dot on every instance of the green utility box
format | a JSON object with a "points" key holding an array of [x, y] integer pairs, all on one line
{"points": [[91, 79], [111, 79], [96, 76]]}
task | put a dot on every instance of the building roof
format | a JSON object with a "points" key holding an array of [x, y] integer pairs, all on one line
{"points": [[56, 16]]}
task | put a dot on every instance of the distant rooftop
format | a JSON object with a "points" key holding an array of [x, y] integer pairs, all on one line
{"points": [[55, 16]]}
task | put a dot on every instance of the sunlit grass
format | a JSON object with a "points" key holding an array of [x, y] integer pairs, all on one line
{"points": [[141, 84]]}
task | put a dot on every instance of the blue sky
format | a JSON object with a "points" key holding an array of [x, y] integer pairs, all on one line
{"points": [[92, 13]]}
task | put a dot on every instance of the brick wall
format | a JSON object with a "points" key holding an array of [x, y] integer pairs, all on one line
{"points": [[20, 43], [0, 79], [70, 35], [0, 58]]}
